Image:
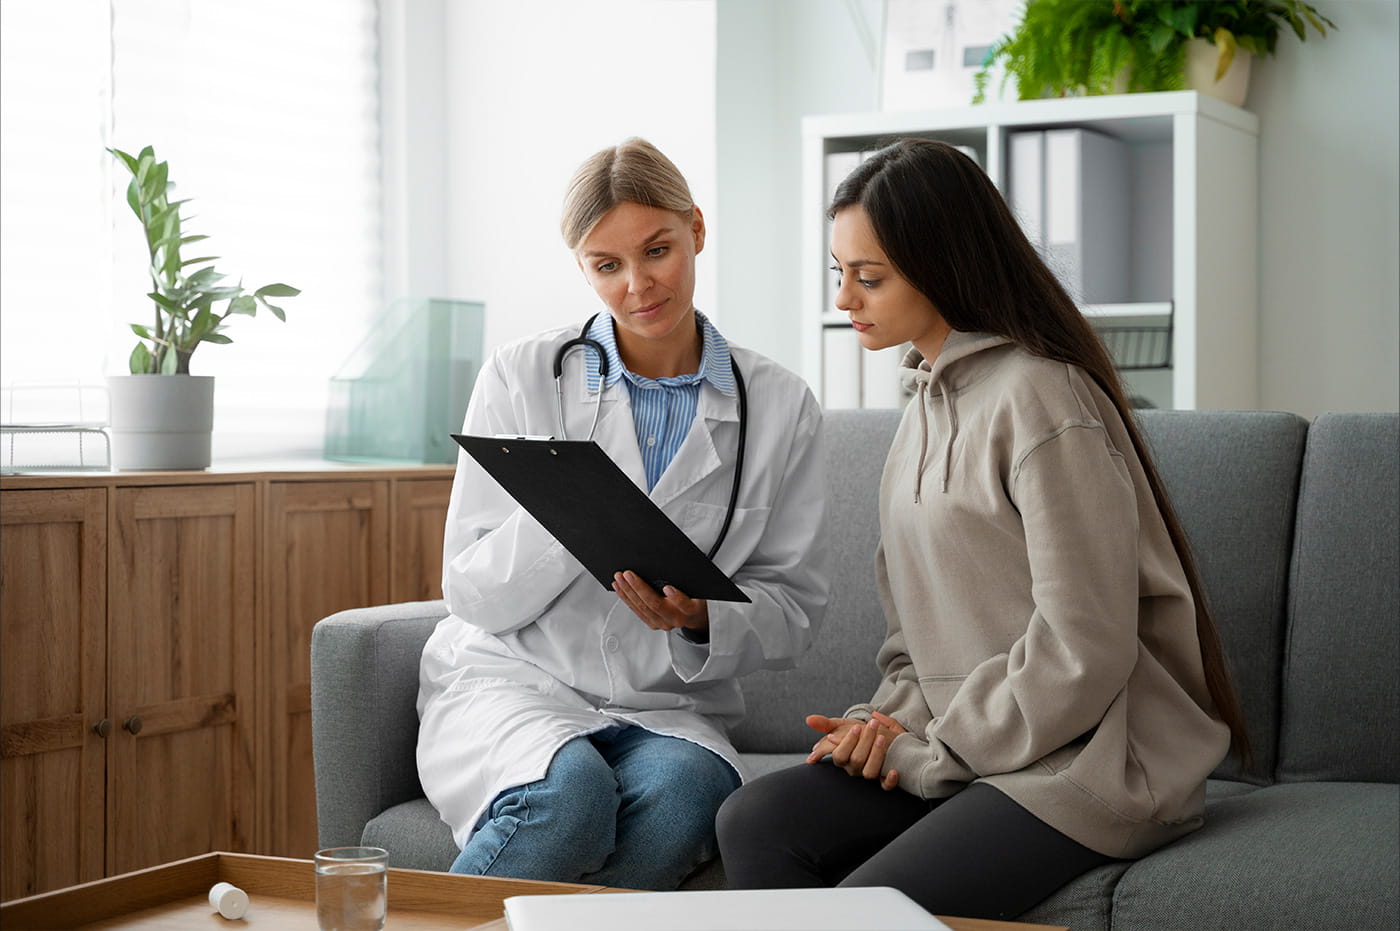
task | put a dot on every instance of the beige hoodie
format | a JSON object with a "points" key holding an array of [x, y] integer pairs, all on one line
{"points": [[1042, 636]]}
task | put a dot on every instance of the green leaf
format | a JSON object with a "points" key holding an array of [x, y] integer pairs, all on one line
{"points": [[277, 312], [165, 302], [133, 199], [204, 321], [217, 338], [163, 215], [205, 277], [202, 258], [244, 304], [277, 290], [140, 360], [141, 330], [169, 361], [128, 160], [158, 179], [1160, 37]]}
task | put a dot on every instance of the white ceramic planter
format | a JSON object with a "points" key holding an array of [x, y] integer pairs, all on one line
{"points": [[161, 421], [1202, 58]]}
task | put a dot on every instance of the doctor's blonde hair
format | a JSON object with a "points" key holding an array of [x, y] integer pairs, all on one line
{"points": [[634, 171]]}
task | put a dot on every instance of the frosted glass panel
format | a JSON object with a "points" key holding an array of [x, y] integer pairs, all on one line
{"points": [[405, 389]]}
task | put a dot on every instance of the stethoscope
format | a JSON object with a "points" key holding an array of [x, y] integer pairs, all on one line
{"points": [[583, 342]]}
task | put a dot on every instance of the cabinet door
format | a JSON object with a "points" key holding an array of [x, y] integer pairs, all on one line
{"points": [[180, 645], [52, 688], [420, 516], [327, 550]]}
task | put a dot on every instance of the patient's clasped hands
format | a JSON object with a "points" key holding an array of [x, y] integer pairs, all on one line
{"points": [[857, 746]]}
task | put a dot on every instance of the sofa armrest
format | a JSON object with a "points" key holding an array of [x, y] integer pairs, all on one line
{"points": [[364, 718]]}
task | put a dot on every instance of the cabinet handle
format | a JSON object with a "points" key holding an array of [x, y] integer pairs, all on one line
{"points": [[133, 724], [102, 728]]}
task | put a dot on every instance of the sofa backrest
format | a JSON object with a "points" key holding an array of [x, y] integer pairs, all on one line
{"points": [[839, 669], [1232, 477], [1341, 700]]}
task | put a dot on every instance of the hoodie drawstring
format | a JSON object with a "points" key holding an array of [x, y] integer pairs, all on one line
{"points": [[952, 433], [923, 440], [923, 400]]}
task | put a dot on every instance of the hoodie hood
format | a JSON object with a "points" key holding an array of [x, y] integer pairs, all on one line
{"points": [[938, 383]]}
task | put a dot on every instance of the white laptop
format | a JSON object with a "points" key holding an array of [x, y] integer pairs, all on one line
{"points": [[848, 909]]}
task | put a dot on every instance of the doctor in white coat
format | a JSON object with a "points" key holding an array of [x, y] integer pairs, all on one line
{"points": [[569, 732]]}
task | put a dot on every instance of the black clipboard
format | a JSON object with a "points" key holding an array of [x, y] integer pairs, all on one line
{"points": [[579, 494]]}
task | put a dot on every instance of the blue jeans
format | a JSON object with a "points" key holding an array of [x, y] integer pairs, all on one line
{"points": [[622, 807]]}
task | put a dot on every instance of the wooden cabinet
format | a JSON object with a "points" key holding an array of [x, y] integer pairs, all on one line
{"points": [[154, 654], [180, 661], [420, 517], [328, 549], [53, 688]]}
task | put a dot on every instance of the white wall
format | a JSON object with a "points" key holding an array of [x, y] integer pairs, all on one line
{"points": [[780, 60], [1329, 214], [532, 88]]}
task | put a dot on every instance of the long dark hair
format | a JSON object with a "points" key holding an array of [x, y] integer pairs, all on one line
{"points": [[947, 230]]}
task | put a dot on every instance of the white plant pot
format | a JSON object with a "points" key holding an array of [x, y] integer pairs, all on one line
{"points": [[161, 421], [1202, 57]]}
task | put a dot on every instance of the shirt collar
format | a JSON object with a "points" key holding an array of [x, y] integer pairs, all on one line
{"points": [[715, 366]]}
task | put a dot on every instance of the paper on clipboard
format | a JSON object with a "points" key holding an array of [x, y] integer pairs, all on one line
{"points": [[600, 516]]}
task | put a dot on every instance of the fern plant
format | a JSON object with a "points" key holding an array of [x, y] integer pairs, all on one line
{"points": [[1078, 47], [185, 291], [1253, 25]]}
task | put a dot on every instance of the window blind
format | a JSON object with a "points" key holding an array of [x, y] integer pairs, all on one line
{"points": [[268, 115]]}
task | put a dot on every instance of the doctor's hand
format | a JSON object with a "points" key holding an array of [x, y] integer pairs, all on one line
{"points": [[857, 746], [658, 612]]}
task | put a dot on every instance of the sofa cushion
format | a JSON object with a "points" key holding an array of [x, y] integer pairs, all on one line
{"points": [[1341, 699], [1233, 477], [414, 835], [1318, 855], [1084, 904], [839, 670]]}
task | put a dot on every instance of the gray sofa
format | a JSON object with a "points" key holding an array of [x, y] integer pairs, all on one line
{"points": [[1296, 526]]}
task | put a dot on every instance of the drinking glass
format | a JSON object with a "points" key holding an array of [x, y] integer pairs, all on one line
{"points": [[351, 888]]}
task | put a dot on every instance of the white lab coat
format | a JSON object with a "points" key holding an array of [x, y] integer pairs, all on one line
{"points": [[536, 652]]}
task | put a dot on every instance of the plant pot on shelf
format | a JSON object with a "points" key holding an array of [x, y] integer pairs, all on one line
{"points": [[161, 421], [1202, 61]]}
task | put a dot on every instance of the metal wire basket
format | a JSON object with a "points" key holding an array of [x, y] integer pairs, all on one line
{"points": [[1135, 348], [54, 448]]}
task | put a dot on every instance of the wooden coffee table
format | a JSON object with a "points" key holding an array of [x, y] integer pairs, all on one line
{"points": [[174, 897]]}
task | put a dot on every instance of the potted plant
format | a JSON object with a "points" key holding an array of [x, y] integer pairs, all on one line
{"points": [[1073, 47], [165, 422]]}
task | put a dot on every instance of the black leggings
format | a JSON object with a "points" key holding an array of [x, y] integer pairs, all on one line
{"points": [[976, 854]]}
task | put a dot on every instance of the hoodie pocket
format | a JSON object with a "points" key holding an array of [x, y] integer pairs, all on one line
{"points": [[939, 691]]}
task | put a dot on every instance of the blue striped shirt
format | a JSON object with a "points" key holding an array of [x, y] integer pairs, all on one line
{"points": [[663, 408]]}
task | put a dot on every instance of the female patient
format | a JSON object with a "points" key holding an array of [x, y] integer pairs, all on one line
{"points": [[1053, 693], [573, 733]]}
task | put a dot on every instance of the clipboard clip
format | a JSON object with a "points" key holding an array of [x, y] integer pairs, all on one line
{"points": [[518, 436]]}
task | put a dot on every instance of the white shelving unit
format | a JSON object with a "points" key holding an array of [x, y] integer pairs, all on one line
{"points": [[1193, 238]]}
